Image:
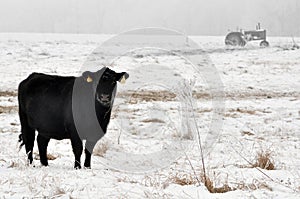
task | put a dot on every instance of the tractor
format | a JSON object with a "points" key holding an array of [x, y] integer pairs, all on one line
{"points": [[240, 38]]}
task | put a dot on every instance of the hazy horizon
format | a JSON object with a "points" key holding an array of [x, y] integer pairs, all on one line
{"points": [[193, 17]]}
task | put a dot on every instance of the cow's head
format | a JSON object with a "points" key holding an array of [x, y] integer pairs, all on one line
{"points": [[104, 84]]}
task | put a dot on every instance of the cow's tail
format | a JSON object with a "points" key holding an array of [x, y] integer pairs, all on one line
{"points": [[21, 141], [27, 135], [23, 118]]}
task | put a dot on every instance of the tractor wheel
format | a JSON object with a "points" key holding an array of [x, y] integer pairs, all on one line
{"points": [[235, 39], [264, 44]]}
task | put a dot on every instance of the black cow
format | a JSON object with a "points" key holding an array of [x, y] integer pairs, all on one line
{"points": [[76, 108]]}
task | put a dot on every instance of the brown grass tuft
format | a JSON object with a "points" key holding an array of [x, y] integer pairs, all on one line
{"points": [[212, 188], [182, 179], [154, 120], [8, 109], [59, 192], [49, 156], [148, 96], [247, 133], [100, 149], [264, 160], [13, 164], [250, 112], [189, 179], [241, 186], [234, 113], [253, 186], [7, 93]]}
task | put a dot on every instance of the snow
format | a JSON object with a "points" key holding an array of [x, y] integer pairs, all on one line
{"points": [[262, 113]]}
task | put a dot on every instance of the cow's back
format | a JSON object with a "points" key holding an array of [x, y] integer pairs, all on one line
{"points": [[46, 100]]}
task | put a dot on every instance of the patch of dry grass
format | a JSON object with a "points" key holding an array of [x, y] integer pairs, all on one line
{"points": [[14, 164], [211, 185], [247, 133], [134, 97], [127, 180], [247, 111], [17, 163], [254, 185], [234, 112], [154, 120], [58, 191], [182, 179], [100, 149], [49, 156], [264, 160], [8, 93], [8, 109]]}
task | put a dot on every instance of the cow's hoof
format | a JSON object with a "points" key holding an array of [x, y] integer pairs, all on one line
{"points": [[29, 161], [45, 164], [87, 167], [77, 167]]}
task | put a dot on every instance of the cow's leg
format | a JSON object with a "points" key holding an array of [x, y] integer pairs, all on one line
{"points": [[42, 145], [89, 146], [77, 150], [27, 135], [30, 137]]}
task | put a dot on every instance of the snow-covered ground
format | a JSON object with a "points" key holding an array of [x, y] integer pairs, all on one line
{"points": [[261, 113]]}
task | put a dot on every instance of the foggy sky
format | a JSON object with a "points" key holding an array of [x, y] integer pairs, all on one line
{"points": [[194, 17]]}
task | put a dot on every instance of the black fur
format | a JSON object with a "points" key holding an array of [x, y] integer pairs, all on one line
{"points": [[45, 105]]}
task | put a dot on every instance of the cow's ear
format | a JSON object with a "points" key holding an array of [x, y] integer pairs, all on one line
{"points": [[121, 77], [88, 76]]}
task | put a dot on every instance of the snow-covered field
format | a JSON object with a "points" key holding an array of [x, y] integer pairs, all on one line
{"points": [[261, 114]]}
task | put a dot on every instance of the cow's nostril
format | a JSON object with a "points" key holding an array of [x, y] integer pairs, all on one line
{"points": [[104, 97]]}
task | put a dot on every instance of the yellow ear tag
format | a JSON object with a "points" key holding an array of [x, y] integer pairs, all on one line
{"points": [[123, 80], [89, 79]]}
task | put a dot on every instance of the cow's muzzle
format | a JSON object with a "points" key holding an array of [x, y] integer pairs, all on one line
{"points": [[103, 99]]}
